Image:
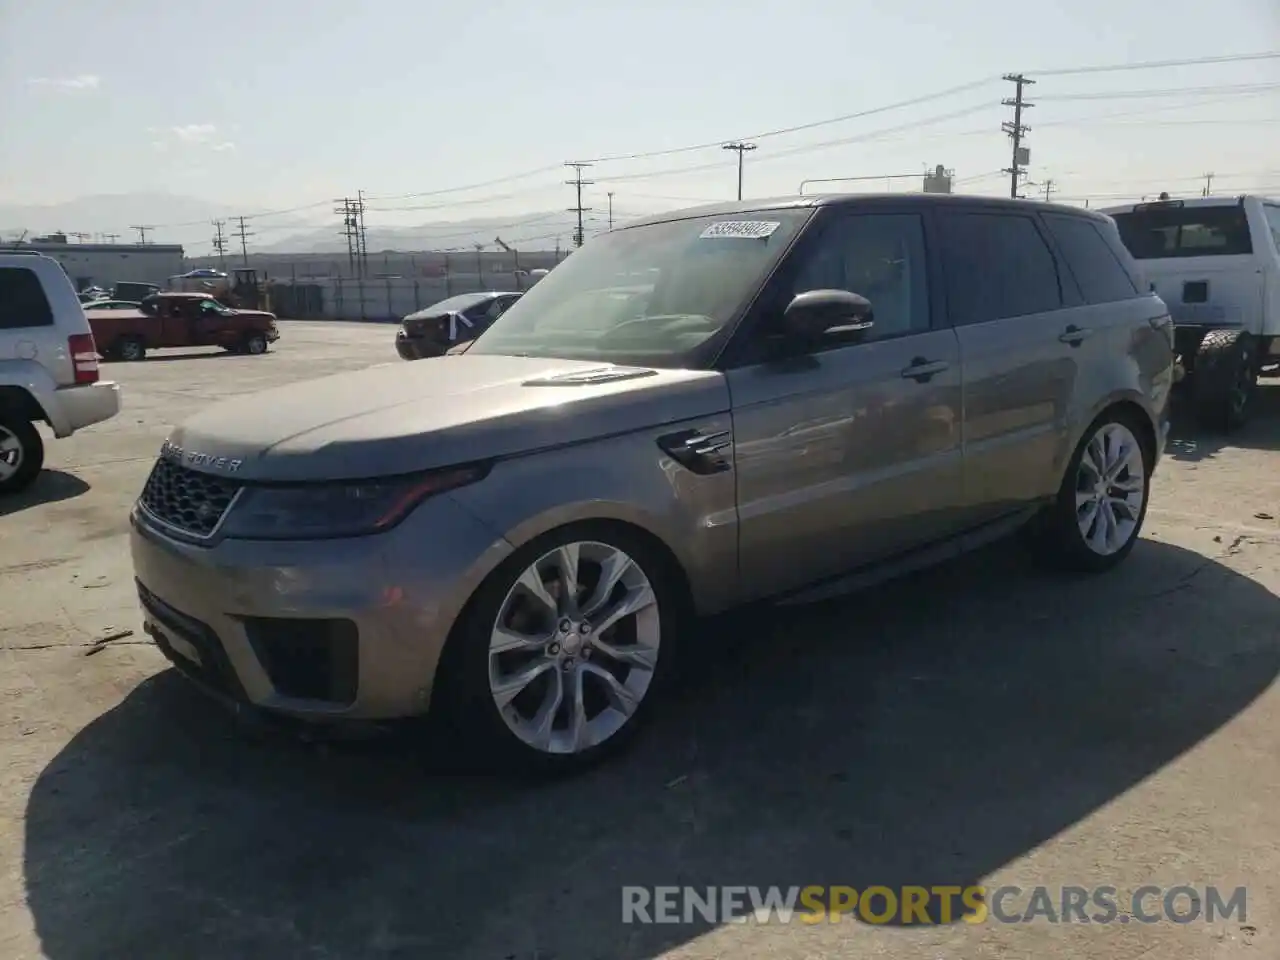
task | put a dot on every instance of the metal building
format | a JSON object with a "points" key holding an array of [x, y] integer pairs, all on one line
{"points": [[104, 264]]}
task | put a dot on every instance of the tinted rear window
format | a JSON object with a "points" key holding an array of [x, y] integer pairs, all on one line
{"points": [[22, 300], [1161, 232], [1101, 277]]}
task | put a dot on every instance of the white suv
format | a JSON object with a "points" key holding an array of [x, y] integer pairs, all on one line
{"points": [[48, 365], [1216, 262]]}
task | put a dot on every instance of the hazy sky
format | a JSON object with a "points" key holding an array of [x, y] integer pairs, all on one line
{"points": [[281, 103]]}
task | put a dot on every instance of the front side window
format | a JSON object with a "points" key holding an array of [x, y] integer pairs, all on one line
{"points": [[651, 294], [877, 256], [998, 266], [1162, 232]]}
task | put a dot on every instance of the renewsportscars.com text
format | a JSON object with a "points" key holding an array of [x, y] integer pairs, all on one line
{"points": [[915, 905]]}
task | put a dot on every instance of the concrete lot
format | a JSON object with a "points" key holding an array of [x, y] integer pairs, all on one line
{"points": [[978, 723]]}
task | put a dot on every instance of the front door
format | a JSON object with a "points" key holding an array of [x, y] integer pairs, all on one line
{"points": [[849, 452]]}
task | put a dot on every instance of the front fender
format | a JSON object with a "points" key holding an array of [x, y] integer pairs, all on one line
{"points": [[627, 479]]}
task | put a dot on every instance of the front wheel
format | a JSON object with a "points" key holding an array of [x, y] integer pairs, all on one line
{"points": [[21, 453], [255, 344], [1098, 514], [564, 650]]}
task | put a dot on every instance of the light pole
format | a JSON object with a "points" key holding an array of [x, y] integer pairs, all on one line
{"points": [[740, 148]]}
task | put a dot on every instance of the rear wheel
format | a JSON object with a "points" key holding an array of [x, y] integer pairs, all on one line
{"points": [[131, 349], [1098, 514], [1226, 379], [21, 453], [563, 651]]}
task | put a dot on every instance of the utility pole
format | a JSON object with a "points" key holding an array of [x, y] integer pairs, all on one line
{"points": [[479, 265], [1048, 189], [349, 230], [220, 244], [1208, 184], [142, 232], [579, 237], [610, 209], [110, 237], [363, 248], [1016, 130], [243, 234], [740, 149]]}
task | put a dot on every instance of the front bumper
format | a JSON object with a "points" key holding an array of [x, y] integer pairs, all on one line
{"points": [[348, 629], [417, 348]]}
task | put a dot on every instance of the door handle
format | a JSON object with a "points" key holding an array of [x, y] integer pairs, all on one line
{"points": [[1074, 335], [922, 370]]}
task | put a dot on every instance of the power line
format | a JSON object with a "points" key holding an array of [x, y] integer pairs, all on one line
{"points": [[243, 234], [1016, 130], [1219, 89], [1159, 64], [578, 183]]}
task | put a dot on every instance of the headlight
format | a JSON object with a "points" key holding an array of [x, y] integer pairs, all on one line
{"points": [[317, 511]]}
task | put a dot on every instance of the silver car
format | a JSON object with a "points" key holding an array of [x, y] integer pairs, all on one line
{"points": [[716, 406]]}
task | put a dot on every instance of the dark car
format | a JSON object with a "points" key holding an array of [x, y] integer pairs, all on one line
{"points": [[180, 320], [460, 319]]}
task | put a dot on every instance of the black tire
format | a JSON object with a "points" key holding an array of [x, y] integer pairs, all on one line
{"points": [[1055, 534], [255, 344], [131, 350], [463, 708], [1225, 379], [29, 456]]}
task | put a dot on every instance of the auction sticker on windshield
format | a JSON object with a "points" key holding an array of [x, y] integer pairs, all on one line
{"points": [[741, 229]]}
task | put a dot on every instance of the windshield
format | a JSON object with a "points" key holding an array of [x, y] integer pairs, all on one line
{"points": [[455, 304], [650, 294], [1157, 233]]}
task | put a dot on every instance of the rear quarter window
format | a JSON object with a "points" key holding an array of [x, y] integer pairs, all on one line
{"points": [[22, 300], [1099, 273]]}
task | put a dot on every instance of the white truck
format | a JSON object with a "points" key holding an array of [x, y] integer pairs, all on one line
{"points": [[1216, 262], [48, 365]]}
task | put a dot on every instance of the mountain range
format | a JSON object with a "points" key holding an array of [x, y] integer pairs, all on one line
{"points": [[117, 215]]}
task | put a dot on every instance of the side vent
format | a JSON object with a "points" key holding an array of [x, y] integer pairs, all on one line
{"points": [[696, 451]]}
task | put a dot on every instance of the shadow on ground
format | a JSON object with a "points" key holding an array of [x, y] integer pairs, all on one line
{"points": [[51, 486], [1189, 442], [926, 732]]}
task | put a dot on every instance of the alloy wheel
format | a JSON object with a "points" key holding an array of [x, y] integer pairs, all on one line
{"points": [[1110, 489], [574, 647]]}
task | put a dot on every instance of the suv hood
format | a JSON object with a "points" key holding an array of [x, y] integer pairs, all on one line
{"points": [[403, 417]]}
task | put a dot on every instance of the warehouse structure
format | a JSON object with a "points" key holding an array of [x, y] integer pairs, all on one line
{"points": [[105, 264]]}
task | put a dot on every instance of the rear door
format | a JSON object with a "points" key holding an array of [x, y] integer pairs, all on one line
{"points": [[849, 452], [1024, 336]]}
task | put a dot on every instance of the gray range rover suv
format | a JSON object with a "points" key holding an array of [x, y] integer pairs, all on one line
{"points": [[715, 406]]}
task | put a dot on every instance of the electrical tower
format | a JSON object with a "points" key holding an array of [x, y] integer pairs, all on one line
{"points": [[362, 248], [220, 244], [142, 232], [350, 229], [1016, 130], [741, 149], [579, 237], [243, 234]]}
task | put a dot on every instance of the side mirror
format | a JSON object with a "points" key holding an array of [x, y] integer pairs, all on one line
{"points": [[814, 313]]}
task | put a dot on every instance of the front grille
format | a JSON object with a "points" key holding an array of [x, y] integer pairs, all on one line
{"points": [[186, 499]]}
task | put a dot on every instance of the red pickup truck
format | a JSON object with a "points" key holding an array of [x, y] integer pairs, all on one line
{"points": [[180, 320]]}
